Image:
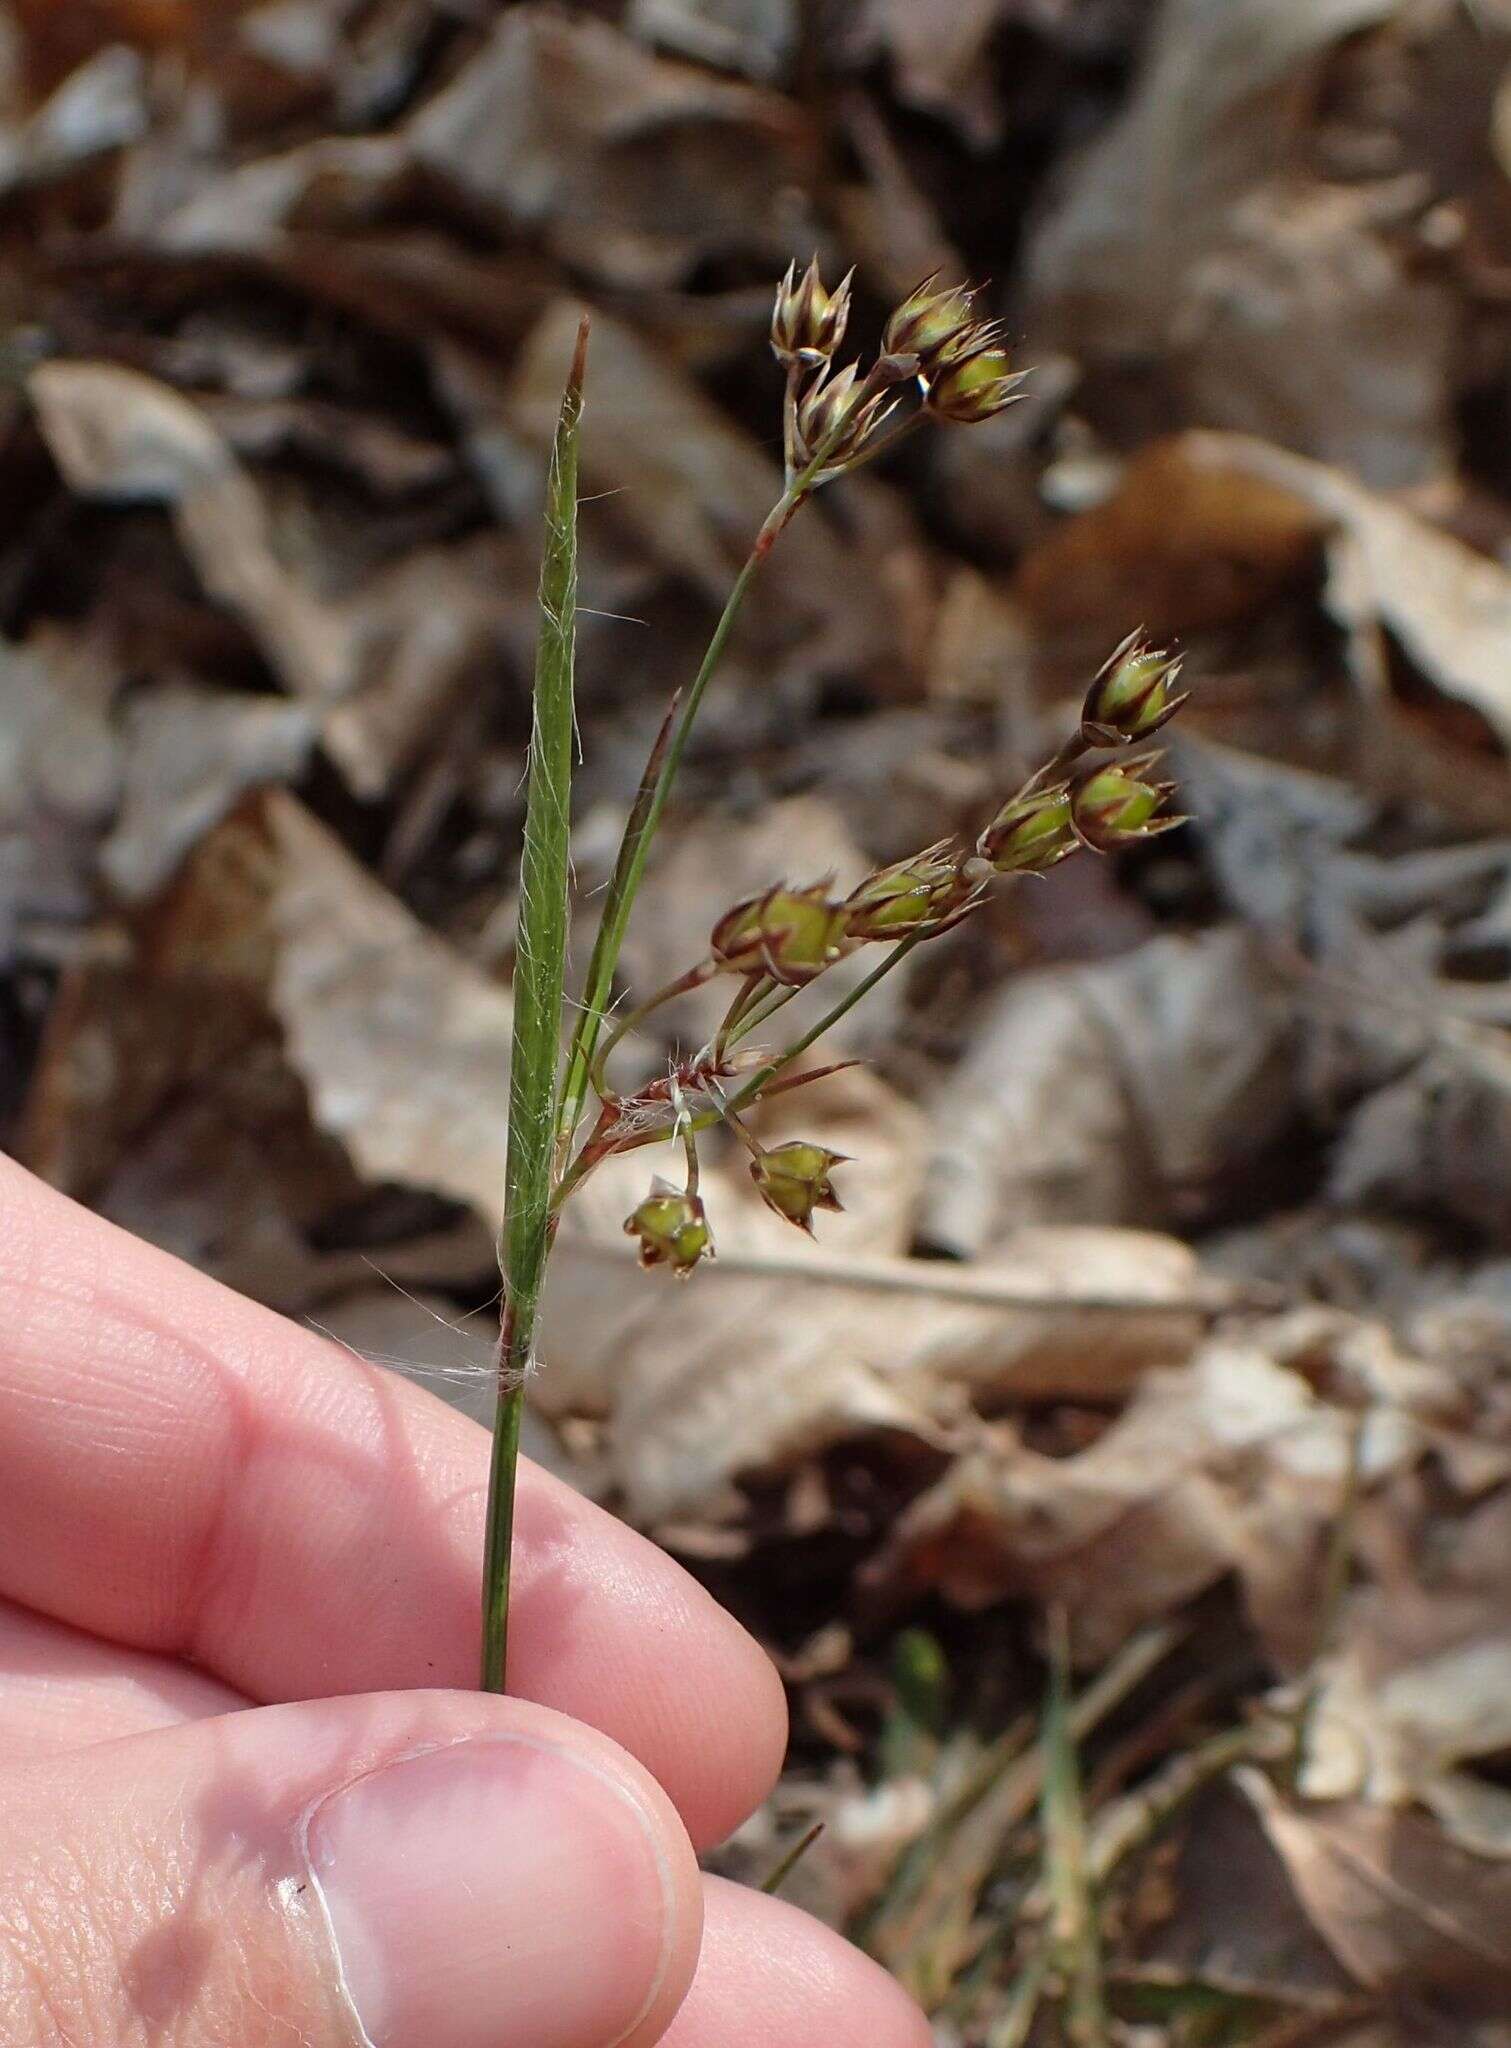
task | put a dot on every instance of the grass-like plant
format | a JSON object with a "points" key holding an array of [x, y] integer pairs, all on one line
{"points": [[938, 363]]}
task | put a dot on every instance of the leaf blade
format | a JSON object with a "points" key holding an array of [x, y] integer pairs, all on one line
{"points": [[540, 969], [539, 989]]}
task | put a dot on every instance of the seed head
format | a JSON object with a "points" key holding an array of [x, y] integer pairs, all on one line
{"points": [[928, 323], [790, 934], [672, 1227], [974, 386], [837, 415], [794, 1180], [1131, 697], [1118, 806], [1031, 833], [807, 322], [930, 889]]}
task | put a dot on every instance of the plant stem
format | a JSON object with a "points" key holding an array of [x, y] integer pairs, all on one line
{"points": [[646, 816], [695, 977], [750, 991], [758, 1081], [752, 1018], [498, 1543], [794, 1856], [539, 987]]}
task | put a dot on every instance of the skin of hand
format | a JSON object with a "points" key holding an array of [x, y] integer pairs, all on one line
{"points": [[246, 1791]]}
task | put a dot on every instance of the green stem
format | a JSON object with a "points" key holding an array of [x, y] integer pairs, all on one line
{"points": [[758, 1081], [593, 1155], [498, 1542], [752, 1019], [634, 851], [695, 977], [773, 1884], [750, 991]]}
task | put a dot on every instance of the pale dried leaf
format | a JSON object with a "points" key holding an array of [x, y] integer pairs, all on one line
{"points": [[124, 438], [1399, 1905], [627, 164], [1113, 1093], [756, 37], [60, 779], [1421, 1684], [100, 107], [1231, 1464], [776, 1352], [1186, 238], [189, 756], [402, 1045]]}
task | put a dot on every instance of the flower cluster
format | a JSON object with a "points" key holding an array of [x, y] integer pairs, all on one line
{"points": [[934, 340], [785, 938], [779, 942]]}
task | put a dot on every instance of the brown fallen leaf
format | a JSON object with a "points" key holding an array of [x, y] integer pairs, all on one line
{"points": [[1401, 1907], [124, 438], [60, 783], [189, 757], [1392, 574], [1188, 238], [1128, 1090], [783, 1349], [277, 1041], [629, 165], [1188, 541], [1231, 1464], [1206, 527]]}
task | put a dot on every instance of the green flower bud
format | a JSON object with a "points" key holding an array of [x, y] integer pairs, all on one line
{"points": [[928, 322], [1114, 807], [1031, 833], [672, 1227], [794, 1180], [921, 1676], [1131, 697], [930, 889], [790, 934], [973, 388], [808, 323], [837, 416]]}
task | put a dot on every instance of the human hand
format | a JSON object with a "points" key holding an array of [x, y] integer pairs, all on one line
{"points": [[238, 1803]]}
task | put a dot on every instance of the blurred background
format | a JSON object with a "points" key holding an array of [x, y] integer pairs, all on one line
{"points": [[1162, 1356]]}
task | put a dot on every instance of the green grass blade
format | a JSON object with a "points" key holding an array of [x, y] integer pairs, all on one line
{"points": [[1074, 1927], [539, 984], [794, 1856]]}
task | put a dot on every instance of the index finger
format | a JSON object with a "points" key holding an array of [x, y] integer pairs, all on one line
{"points": [[184, 1471]]}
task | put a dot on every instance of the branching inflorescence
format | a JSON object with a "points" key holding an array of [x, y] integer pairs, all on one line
{"points": [[938, 363]]}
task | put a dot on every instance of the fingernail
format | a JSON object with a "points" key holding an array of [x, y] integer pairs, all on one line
{"points": [[501, 1890]]}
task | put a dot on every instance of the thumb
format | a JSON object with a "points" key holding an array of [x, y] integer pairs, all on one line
{"points": [[405, 1870]]}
